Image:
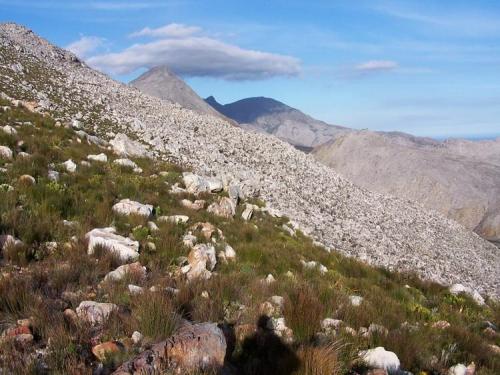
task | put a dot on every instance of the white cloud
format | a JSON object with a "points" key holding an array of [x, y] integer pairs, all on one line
{"points": [[173, 30], [196, 56], [85, 45], [377, 65]]}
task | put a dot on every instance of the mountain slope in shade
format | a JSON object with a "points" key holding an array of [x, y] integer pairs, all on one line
{"points": [[273, 117], [451, 177], [164, 84]]}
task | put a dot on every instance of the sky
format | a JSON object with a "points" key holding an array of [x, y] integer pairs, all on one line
{"points": [[429, 68]]}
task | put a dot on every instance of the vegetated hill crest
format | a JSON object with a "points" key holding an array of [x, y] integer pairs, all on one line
{"points": [[380, 229]]}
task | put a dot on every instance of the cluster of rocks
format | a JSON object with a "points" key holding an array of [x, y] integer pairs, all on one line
{"points": [[380, 229]]}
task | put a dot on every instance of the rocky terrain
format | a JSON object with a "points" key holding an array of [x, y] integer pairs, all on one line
{"points": [[115, 262], [164, 84], [118, 256], [456, 177], [460, 179], [379, 229], [270, 116]]}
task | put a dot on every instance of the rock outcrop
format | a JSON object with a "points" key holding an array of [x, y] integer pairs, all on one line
{"points": [[382, 230]]}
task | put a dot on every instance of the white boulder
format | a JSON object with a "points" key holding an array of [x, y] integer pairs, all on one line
{"points": [[9, 130], [356, 300], [133, 269], [125, 163], [6, 153], [70, 166], [176, 219], [129, 207], [123, 145], [380, 358], [456, 289], [126, 249], [102, 158]]}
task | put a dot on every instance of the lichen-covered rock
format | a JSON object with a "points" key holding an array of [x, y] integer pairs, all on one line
{"points": [[194, 347], [202, 261]]}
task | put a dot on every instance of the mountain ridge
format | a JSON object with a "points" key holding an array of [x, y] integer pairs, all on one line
{"points": [[271, 116]]}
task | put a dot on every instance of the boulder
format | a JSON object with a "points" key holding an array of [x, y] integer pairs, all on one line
{"points": [[356, 300], [330, 325], [135, 289], [107, 350], [229, 252], [27, 180], [312, 265], [124, 146], [5, 153], [125, 163], [99, 158], [129, 207], [459, 369], [137, 337], [207, 229], [380, 358], [9, 130], [6, 241], [53, 175], [135, 270], [197, 205], [193, 348], [202, 261], [23, 155], [457, 289], [176, 219], [70, 166], [126, 249], [226, 207], [247, 213], [195, 184], [441, 324], [189, 240], [95, 312]]}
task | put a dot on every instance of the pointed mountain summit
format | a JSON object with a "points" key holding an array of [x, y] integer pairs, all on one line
{"points": [[274, 117], [164, 84]]}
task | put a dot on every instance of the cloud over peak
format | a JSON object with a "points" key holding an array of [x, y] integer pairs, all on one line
{"points": [[190, 54]]}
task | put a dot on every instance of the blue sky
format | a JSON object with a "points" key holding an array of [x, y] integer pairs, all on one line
{"points": [[429, 68]]}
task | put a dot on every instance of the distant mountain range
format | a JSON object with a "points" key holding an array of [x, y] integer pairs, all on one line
{"points": [[271, 116], [459, 178]]}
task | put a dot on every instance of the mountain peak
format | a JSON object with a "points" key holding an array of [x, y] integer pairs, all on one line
{"points": [[162, 82]]}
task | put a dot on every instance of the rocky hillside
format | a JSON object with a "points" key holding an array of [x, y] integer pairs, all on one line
{"points": [[273, 117], [113, 261], [164, 84], [379, 229], [451, 177]]}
